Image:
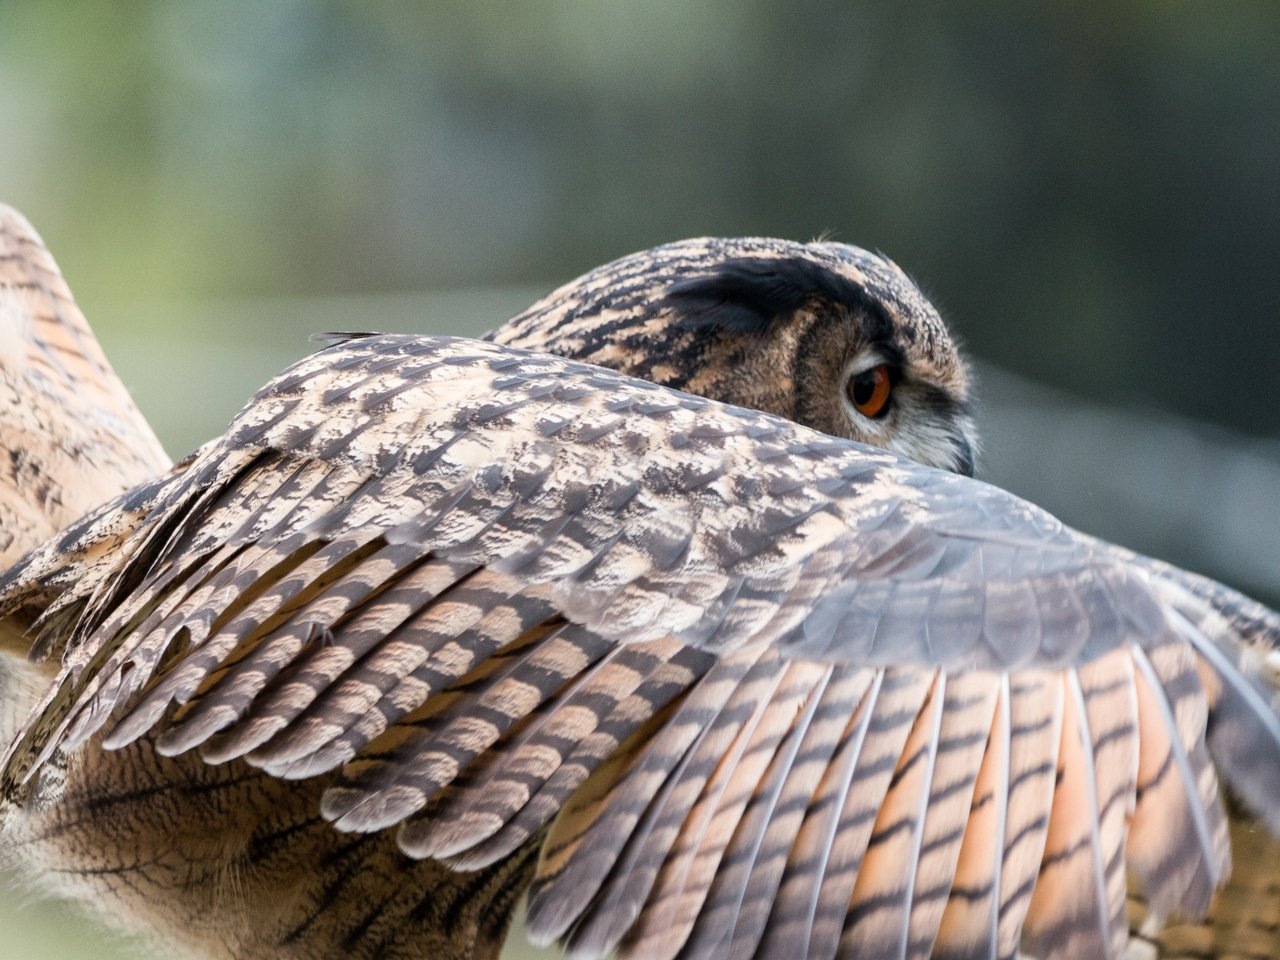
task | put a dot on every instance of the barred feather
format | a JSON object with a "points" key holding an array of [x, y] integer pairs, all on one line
{"points": [[757, 686]]}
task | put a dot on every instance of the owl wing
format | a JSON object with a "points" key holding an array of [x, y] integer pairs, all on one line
{"points": [[750, 686], [73, 434]]}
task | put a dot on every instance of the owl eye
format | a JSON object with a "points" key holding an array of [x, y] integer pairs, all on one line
{"points": [[869, 391]]}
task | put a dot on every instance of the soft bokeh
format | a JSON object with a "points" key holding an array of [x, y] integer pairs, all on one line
{"points": [[1089, 190]]}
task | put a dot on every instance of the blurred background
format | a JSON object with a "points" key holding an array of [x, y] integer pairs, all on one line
{"points": [[1090, 192]]}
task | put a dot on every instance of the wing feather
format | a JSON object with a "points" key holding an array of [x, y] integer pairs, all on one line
{"points": [[901, 697], [792, 917], [518, 791], [680, 813], [73, 436], [588, 836], [696, 858], [429, 759], [962, 744], [320, 705], [1177, 846], [878, 920], [969, 925], [1059, 924], [1037, 708], [282, 580], [743, 890], [773, 687]]}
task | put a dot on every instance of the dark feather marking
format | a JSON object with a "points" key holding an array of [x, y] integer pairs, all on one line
{"points": [[747, 294], [658, 691]]}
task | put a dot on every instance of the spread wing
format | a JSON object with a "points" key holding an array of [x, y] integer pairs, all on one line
{"points": [[72, 433], [750, 686]]}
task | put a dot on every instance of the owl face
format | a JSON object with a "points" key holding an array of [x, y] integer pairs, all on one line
{"points": [[825, 334], [861, 376]]}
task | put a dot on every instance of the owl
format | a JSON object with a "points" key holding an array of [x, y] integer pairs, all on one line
{"points": [[671, 606]]}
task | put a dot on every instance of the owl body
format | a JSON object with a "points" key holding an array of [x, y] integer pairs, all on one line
{"points": [[725, 659]]}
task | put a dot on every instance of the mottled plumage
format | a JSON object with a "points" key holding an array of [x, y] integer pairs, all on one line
{"points": [[737, 684], [772, 325], [221, 861], [64, 411], [71, 435]]}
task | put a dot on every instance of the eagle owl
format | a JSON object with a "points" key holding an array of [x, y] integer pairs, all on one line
{"points": [[672, 605]]}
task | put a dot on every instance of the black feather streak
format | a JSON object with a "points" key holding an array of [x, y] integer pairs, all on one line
{"points": [[747, 294]]}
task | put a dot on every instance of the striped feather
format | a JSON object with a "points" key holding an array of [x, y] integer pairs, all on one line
{"points": [[857, 801], [267, 586], [427, 760], [586, 840], [277, 695], [962, 742], [969, 926], [680, 811], [1070, 914], [623, 724], [1037, 710], [328, 696], [743, 891], [879, 913], [700, 852], [1177, 846], [795, 904], [496, 785]]}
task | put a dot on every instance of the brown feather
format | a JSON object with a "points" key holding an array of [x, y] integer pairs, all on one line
{"points": [[969, 925], [76, 438], [415, 558]]}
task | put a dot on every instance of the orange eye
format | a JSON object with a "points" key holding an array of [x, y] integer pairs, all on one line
{"points": [[869, 391]]}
